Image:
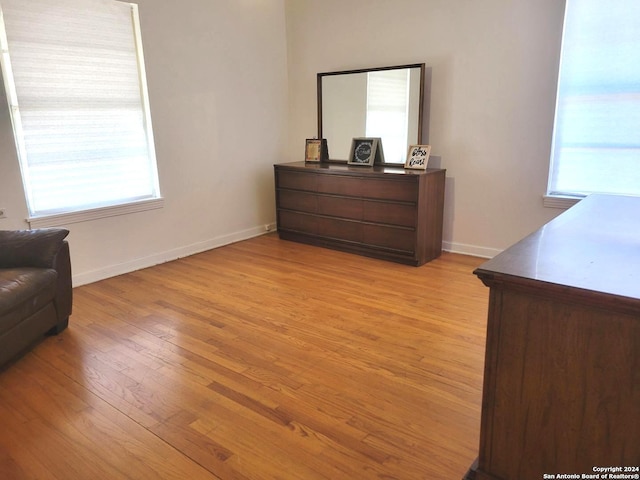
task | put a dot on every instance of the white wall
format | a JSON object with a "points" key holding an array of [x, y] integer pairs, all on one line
{"points": [[494, 74], [217, 78]]}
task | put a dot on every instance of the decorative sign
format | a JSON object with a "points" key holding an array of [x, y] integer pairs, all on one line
{"points": [[363, 151], [418, 157]]}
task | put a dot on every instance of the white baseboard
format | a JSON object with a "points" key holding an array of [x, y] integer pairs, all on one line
{"points": [[474, 250], [163, 257], [167, 256]]}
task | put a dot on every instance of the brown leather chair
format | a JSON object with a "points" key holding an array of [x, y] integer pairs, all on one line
{"points": [[35, 288]]}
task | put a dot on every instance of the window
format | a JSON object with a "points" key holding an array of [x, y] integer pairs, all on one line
{"points": [[75, 82], [596, 144]]}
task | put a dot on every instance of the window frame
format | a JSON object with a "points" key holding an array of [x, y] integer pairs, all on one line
{"points": [[87, 212]]}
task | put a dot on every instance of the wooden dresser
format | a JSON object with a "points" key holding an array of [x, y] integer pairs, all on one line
{"points": [[383, 212], [562, 367]]}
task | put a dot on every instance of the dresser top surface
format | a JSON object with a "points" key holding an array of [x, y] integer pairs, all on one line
{"points": [[343, 168], [594, 246]]}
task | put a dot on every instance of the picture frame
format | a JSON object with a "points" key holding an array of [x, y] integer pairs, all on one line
{"points": [[379, 158], [316, 150], [418, 157], [363, 151]]}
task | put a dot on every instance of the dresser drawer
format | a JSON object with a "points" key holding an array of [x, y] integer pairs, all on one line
{"points": [[340, 207], [334, 228], [390, 237], [299, 201], [296, 180], [340, 229], [299, 222], [340, 185], [401, 189], [389, 213]]}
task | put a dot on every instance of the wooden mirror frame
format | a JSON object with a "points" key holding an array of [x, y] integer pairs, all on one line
{"points": [[421, 100]]}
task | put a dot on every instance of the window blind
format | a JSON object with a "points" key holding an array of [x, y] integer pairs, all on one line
{"points": [[75, 82], [388, 111], [596, 144]]}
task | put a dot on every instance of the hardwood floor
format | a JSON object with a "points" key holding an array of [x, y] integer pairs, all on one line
{"points": [[264, 359]]}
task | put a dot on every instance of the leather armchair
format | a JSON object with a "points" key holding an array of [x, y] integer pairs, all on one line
{"points": [[35, 288]]}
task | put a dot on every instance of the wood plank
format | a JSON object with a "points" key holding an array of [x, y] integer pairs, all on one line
{"points": [[259, 360]]}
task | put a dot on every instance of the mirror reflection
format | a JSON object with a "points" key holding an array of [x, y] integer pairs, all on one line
{"points": [[380, 102]]}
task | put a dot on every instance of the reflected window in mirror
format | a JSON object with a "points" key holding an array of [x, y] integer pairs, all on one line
{"points": [[389, 116]]}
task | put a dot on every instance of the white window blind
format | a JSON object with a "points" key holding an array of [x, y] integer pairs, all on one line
{"points": [[596, 145], [76, 86], [388, 111]]}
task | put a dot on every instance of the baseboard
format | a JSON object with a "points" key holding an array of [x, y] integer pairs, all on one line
{"points": [[167, 256], [474, 250]]}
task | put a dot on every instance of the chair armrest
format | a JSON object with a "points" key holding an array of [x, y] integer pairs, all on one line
{"points": [[30, 248]]}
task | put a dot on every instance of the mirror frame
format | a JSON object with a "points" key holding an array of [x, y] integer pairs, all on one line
{"points": [[421, 66]]}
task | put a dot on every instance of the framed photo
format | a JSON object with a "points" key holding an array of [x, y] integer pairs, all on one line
{"points": [[316, 150], [418, 157], [363, 151]]}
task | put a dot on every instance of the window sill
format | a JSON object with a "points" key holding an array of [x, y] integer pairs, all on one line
{"points": [[559, 201], [62, 219]]}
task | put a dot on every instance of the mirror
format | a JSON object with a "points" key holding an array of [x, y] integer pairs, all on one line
{"points": [[381, 102]]}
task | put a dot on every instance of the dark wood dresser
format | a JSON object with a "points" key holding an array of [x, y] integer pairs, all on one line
{"points": [[383, 212], [562, 367]]}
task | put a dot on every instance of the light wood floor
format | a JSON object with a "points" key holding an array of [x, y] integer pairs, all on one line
{"points": [[265, 359]]}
